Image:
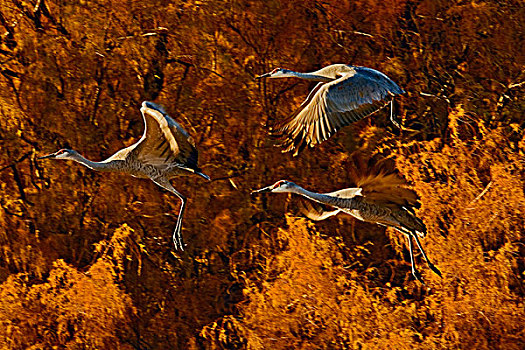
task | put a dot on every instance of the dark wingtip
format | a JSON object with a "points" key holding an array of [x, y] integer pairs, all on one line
{"points": [[203, 175]]}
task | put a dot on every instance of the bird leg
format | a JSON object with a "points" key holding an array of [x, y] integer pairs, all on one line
{"points": [[393, 116], [415, 272], [432, 266], [177, 235]]}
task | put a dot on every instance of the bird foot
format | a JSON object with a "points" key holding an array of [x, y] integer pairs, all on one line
{"points": [[417, 276], [177, 241], [435, 269], [396, 123], [178, 245]]}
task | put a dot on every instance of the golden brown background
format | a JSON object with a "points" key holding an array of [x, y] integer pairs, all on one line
{"points": [[86, 259]]}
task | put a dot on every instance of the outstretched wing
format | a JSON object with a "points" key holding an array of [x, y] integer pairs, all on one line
{"points": [[164, 141], [387, 189], [333, 105], [383, 187], [316, 211], [380, 182]]}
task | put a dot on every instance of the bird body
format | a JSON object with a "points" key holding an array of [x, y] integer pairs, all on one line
{"points": [[344, 95], [164, 151], [363, 210], [352, 201]]}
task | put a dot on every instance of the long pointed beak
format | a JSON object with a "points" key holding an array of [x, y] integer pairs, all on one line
{"points": [[52, 155], [262, 190], [266, 75]]}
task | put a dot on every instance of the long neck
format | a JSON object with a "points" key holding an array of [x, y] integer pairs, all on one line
{"points": [[324, 199], [311, 76], [105, 165]]}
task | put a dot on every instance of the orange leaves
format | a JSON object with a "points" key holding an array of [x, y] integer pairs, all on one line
{"points": [[119, 248], [313, 298], [472, 194], [70, 308]]}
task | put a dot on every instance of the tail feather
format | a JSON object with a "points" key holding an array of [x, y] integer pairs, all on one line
{"points": [[411, 223]]}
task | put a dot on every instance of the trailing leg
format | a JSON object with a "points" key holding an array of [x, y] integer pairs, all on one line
{"points": [[415, 272], [432, 266], [177, 235], [393, 116]]}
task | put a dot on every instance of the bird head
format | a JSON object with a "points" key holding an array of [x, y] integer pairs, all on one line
{"points": [[61, 154], [278, 187], [276, 73]]}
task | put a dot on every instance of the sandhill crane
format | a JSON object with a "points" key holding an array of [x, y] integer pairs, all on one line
{"points": [[374, 208], [344, 95], [164, 151]]}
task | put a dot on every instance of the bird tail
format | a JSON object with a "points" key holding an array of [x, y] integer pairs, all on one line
{"points": [[421, 230], [409, 223]]}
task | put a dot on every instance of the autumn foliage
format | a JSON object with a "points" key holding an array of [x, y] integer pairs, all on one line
{"points": [[86, 258]]}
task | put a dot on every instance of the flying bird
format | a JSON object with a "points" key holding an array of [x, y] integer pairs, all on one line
{"points": [[371, 203], [344, 94], [164, 151]]}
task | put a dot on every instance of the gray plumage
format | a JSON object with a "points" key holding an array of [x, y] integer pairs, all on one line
{"points": [[382, 210], [164, 151], [344, 95]]}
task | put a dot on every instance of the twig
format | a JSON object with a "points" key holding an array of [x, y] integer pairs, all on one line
{"points": [[480, 195]]}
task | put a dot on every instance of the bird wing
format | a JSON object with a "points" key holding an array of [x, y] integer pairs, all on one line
{"points": [[384, 188], [387, 190], [316, 211], [346, 193], [164, 141], [333, 105]]}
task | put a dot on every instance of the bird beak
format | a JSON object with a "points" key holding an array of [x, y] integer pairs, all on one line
{"points": [[52, 155], [263, 76], [262, 190]]}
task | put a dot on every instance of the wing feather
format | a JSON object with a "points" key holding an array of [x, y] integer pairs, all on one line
{"points": [[316, 211], [383, 187], [381, 183], [346, 193], [164, 141]]}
